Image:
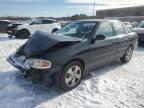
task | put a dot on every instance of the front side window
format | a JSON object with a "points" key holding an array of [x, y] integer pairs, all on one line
{"points": [[37, 21], [77, 29], [105, 29], [28, 21], [141, 25], [118, 28]]}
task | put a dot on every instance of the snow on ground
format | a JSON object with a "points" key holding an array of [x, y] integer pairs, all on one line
{"points": [[111, 86]]}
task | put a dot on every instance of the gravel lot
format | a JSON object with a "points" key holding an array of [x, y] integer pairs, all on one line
{"points": [[111, 86]]}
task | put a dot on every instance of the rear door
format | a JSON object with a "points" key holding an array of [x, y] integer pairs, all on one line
{"points": [[48, 25], [104, 50], [123, 34]]}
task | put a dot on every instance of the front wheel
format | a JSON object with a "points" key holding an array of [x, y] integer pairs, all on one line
{"points": [[71, 76], [23, 34], [128, 55]]}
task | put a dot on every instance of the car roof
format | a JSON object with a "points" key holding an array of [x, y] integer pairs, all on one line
{"points": [[47, 19], [97, 20], [6, 20]]}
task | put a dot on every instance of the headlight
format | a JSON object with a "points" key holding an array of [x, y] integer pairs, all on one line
{"points": [[37, 63]]}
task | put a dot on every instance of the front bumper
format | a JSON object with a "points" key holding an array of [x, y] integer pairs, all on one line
{"points": [[11, 31], [34, 74], [16, 62], [19, 64]]}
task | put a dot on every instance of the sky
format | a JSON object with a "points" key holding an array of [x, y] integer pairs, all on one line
{"points": [[59, 8]]}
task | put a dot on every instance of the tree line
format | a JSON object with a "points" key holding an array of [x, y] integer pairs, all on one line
{"points": [[69, 18]]}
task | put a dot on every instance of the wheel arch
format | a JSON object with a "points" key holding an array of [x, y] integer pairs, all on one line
{"points": [[25, 30], [75, 59]]}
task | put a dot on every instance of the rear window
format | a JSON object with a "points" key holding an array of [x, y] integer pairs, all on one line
{"points": [[105, 29], [126, 29]]}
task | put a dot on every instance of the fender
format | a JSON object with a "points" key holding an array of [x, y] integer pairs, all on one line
{"points": [[24, 27]]}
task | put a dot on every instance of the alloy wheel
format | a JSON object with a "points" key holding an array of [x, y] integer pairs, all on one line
{"points": [[129, 54], [73, 76]]}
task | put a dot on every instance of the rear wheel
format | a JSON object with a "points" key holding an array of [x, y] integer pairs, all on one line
{"points": [[71, 76], [23, 34], [128, 54]]}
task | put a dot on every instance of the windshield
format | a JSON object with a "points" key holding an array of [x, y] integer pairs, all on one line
{"points": [[77, 29], [141, 24]]}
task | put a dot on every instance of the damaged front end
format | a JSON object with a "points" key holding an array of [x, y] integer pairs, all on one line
{"points": [[12, 29], [29, 57]]}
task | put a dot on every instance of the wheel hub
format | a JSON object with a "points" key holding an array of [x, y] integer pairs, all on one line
{"points": [[72, 76]]}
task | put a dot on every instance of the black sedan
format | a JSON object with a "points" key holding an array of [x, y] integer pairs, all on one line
{"points": [[69, 54], [140, 31]]}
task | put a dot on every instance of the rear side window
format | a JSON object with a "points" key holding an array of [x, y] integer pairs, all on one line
{"points": [[48, 21], [119, 28], [105, 29]]}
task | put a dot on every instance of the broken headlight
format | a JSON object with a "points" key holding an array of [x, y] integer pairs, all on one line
{"points": [[37, 63]]}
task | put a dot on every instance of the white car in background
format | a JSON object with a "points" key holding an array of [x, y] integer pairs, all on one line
{"points": [[128, 24], [27, 28]]}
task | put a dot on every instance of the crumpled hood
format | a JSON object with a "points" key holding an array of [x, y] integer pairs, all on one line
{"points": [[13, 25], [41, 42]]}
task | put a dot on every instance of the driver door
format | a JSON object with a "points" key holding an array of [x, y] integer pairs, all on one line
{"points": [[104, 50], [36, 25]]}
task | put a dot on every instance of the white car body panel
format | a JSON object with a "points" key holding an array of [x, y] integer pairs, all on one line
{"points": [[138, 30], [42, 27]]}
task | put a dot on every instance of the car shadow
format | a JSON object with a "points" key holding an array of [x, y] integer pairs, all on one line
{"points": [[20, 87], [6, 38], [14, 86]]}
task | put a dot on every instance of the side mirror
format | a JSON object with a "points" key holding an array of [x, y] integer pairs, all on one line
{"points": [[31, 24], [98, 37]]}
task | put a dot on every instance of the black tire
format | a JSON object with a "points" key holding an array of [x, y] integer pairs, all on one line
{"points": [[128, 55], [54, 30], [23, 34], [77, 79]]}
